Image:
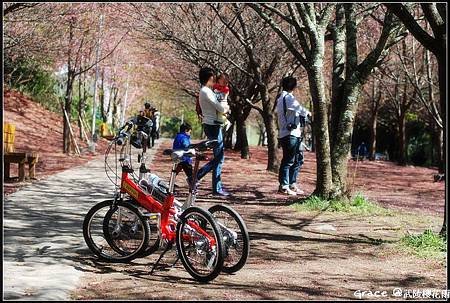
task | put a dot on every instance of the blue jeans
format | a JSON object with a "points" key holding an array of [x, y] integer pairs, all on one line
{"points": [[292, 160], [214, 132]]}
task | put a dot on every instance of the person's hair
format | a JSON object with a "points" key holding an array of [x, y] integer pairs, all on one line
{"points": [[289, 83], [185, 127], [204, 75], [147, 105], [224, 76]]}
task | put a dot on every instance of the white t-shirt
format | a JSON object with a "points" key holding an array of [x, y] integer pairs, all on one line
{"points": [[293, 111], [210, 106]]}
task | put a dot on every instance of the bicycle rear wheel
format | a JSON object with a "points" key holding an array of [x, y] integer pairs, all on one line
{"points": [[235, 235], [115, 233], [200, 244]]}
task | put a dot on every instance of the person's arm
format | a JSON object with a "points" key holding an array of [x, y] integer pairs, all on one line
{"points": [[292, 104], [219, 106]]}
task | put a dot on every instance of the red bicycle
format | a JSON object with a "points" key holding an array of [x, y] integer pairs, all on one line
{"points": [[145, 216]]}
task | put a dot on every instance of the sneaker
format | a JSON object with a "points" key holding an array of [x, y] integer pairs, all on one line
{"points": [[286, 190], [297, 189], [222, 193]]}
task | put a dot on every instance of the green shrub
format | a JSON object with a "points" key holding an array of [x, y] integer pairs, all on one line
{"points": [[312, 203], [426, 244], [171, 125], [31, 78], [358, 204]]}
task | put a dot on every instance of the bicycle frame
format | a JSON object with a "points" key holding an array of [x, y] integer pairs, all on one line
{"points": [[168, 222]]}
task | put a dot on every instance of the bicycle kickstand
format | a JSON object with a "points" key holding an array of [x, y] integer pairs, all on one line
{"points": [[176, 260], [168, 247]]}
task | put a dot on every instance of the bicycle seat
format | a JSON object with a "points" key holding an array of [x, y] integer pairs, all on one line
{"points": [[204, 145], [177, 155]]}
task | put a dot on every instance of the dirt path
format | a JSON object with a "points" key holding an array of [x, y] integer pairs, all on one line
{"points": [[293, 255]]}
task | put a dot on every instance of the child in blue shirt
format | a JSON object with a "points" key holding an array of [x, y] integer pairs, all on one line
{"points": [[182, 141]]}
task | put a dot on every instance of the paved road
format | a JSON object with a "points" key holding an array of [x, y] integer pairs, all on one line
{"points": [[43, 237]]}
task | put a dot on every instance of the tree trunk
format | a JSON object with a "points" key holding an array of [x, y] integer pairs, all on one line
{"points": [[338, 72], [439, 149], [262, 134], [401, 140], [241, 139], [260, 138], [114, 113], [67, 107], [273, 160], [68, 96], [442, 68], [313, 138], [341, 149], [436, 147], [239, 135], [317, 91], [375, 105], [442, 72], [348, 95], [241, 115], [373, 135], [80, 107], [101, 97]]}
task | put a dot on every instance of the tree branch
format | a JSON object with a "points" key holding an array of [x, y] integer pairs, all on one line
{"points": [[434, 18], [280, 33], [414, 28], [17, 7], [103, 58]]}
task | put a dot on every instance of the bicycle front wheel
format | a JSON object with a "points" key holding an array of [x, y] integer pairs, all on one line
{"points": [[200, 244]]}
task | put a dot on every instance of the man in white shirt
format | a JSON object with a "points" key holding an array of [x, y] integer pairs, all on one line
{"points": [[290, 112], [213, 131]]}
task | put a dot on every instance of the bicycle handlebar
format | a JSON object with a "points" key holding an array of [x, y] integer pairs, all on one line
{"points": [[204, 145], [123, 134]]}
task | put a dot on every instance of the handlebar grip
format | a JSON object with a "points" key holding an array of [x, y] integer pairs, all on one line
{"points": [[129, 124], [120, 140], [123, 134]]}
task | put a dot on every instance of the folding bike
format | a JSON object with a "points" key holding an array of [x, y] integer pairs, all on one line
{"points": [[144, 216]]}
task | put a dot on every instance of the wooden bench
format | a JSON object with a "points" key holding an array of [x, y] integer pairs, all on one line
{"points": [[22, 158]]}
